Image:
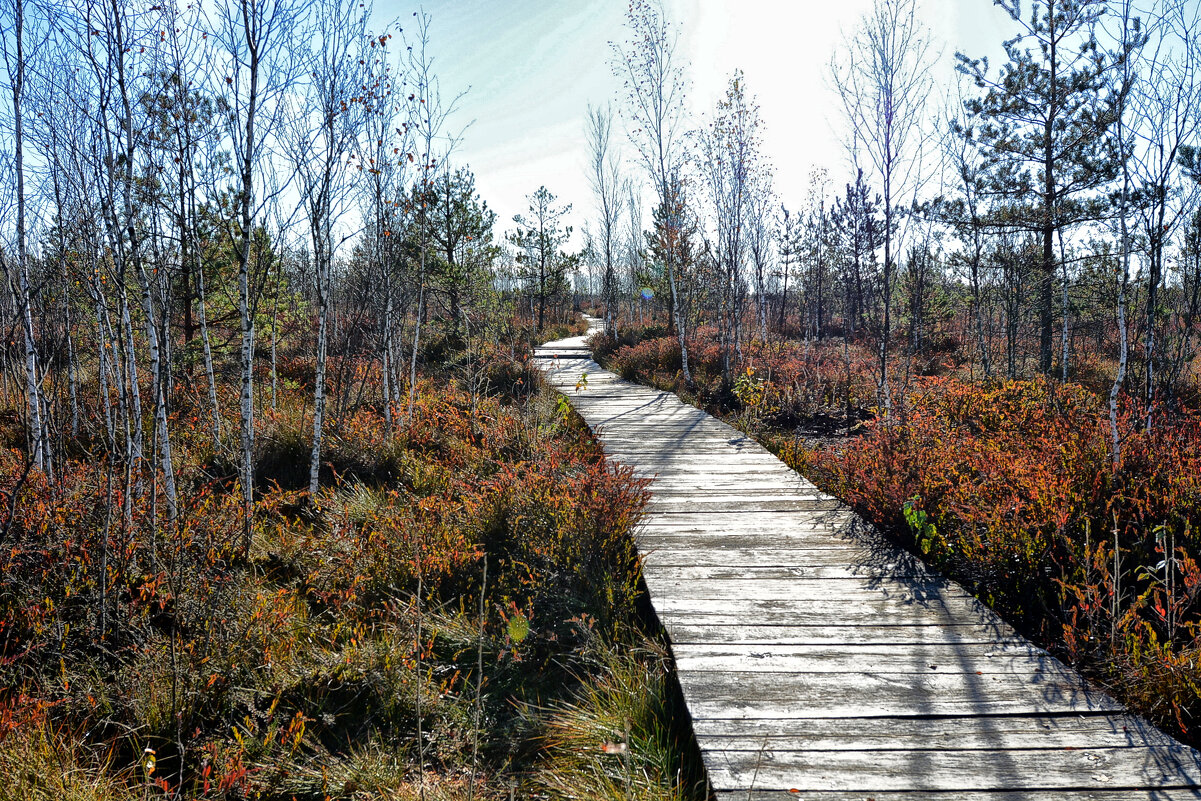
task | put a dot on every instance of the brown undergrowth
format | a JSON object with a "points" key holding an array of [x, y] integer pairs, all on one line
{"points": [[456, 617]]}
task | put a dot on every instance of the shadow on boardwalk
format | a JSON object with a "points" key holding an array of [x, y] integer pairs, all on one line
{"points": [[818, 661]]}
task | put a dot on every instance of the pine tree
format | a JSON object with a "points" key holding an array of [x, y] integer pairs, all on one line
{"points": [[1043, 125]]}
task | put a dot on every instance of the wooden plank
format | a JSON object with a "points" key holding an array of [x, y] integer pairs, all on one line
{"points": [[707, 468], [746, 695], [646, 412], [824, 560], [1126, 794], [635, 422], [1016, 658], [707, 521], [865, 610], [713, 479], [672, 487], [694, 520], [682, 466], [722, 503], [951, 770], [909, 734], [786, 566], [734, 446], [727, 500], [717, 475], [662, 445], [670, 450], [925, 594], [720, 493], [812, 556], [650, 540], [799, 622], [871, 632]]}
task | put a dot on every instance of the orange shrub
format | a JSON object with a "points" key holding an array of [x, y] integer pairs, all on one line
{"points": [[1011, 488], [140, 631]]}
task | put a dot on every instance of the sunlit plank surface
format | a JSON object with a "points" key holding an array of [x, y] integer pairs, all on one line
{"points": [[818, 661]]}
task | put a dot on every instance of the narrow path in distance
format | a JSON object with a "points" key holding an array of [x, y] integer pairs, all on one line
{"points": [[820, 662]]}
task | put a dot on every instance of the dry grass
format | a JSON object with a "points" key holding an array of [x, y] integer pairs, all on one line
{"points": [[40, 764]]}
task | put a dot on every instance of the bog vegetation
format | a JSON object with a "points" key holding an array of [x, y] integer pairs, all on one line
{"points": [[985, 336], [285, 511]]}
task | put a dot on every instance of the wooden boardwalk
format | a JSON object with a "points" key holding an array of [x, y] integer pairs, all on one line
{"points": [[818, 662]]}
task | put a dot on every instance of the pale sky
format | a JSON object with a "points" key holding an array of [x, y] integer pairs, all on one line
{"points": [[531, 67]]}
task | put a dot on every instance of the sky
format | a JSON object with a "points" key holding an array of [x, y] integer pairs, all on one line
{"points": [[531, 67]]}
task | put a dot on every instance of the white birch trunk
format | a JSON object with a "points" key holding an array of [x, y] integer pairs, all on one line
{"points": [[323, 267], [24, 299], [209, 373], [158, 369]]}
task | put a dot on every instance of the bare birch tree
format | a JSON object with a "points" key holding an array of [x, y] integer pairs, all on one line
{"points": [[257, 38], [730, 163], [321, 140], [882, 78], [655, 88], [607, 186], [428, 113], [759, 224], [1161, 115], [12, 42], [384, 165]]}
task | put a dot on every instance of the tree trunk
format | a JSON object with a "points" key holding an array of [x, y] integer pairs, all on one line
{"points": [[323, 269], [24, 297], [157, 370]]}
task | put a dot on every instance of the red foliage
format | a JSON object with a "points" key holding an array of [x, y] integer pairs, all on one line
{"points": [[1024, 503], [800, 378], [107, 605]]}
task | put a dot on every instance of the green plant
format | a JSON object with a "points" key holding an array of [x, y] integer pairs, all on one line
{"points": [[925, 533], [617, 737]]}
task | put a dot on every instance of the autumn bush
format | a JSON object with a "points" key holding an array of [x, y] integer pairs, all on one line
{"points": [[798, 380], [1011, 488], [486, 531]]}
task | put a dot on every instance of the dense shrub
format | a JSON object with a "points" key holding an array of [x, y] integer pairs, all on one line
{"points": [[304, 666], [1011, 488], [795, 380]]}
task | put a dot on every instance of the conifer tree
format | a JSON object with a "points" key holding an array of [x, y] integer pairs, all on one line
{"points": [[1043, 123]]}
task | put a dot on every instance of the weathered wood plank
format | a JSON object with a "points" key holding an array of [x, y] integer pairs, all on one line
{"points": [[909, 734], [692, 521], [702, 502], [716, 481], [1128, 794], [670, 487], [708, 471], [865, 611], [826, 560], [749, 695], [1017, 658], [880, 622], [934, 594], [801, 503], [1158, 794], [946, 770], [707, 521], [684, 631], [646, 442], [651, 539]]}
